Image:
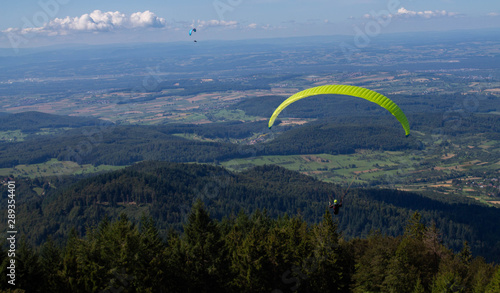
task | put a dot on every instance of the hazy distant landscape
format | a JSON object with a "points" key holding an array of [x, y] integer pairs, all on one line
{"points": [[453, 78], [90, 132], [187, 80]]}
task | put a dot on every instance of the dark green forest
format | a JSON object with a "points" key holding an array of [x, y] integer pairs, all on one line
{"points": [[332, 106], [248, 253], [124, 144], [29, 122], [166, 192]]}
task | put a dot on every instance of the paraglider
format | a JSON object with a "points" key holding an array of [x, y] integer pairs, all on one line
{"points": [[191, 31], [335, 206], [347, 90]]}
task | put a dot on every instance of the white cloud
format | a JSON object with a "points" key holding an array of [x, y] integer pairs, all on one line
{"points": [[493, 14], [146, 19], [405, 13], [425, 14], [96, 21], [216, 23]]}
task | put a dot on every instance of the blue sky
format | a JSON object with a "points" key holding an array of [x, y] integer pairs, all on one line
{"points": [[31, 23]]}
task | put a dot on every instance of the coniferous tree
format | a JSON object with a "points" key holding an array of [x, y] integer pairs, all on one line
{"points": [[249, 262], [176, 276], [419, 288], [251, 254], [494, 285], [4, 271], [70, 264], [28, 270], [479, 275], [207, 263], [412, 262], [118, 245], [151, 267], [374, 256], [326, 271], [51, 262], [288, 253], [447, 282], [464, 260]]}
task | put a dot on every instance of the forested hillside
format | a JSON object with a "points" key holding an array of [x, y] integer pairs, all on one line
{"points": [[29, 122], [332, 106], [249, 253], [166, 191], [125, 144]]}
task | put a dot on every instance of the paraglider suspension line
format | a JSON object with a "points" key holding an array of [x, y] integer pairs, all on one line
{"points": [[347, 189], [330, 197]]}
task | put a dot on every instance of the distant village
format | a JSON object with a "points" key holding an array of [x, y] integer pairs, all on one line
{"points": [[489, 186]]}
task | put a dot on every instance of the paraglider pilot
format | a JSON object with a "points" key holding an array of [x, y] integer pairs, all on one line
{"points": [[335, 206]]}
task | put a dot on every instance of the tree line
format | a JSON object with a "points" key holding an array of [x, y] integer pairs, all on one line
{"points": [[248, 253], [124, 144], [166, 191]]}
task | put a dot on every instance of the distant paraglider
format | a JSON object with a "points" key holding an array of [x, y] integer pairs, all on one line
{"points": [[191, 31], [347, 90]]}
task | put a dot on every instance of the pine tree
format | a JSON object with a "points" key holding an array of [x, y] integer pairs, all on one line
{"points": [[447, 282], [419, 288], [116, 253], [494, 285], [52, 265], [28, 270], [479, 275], [151, 267], [251, 265], [374, 255], [70, 264], [288, 253], [415, 229], [4, 263], [326, 263], [176, 276], [206, 254], [413, 260]]}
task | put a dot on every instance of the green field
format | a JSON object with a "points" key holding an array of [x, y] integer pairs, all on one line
{"points": [[233, 115], [364, 166], [55, 168], [12, 135], [399, 170]]}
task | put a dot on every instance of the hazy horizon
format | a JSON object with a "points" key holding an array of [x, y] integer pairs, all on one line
{"points": [[43, 23]]}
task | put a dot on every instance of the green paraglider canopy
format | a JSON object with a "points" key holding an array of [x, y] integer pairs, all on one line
{"points": [[347, 90]]}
